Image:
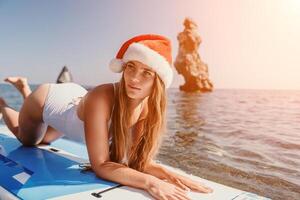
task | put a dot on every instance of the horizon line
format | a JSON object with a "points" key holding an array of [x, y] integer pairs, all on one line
{"points": [[229, 88]]}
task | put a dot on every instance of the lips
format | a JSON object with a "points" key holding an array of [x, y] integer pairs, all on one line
{"points": [[136, 88]]}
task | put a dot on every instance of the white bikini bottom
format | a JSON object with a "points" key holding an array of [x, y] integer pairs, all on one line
{"points": [[60, 110]]}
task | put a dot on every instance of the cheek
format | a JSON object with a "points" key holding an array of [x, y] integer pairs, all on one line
{"points": [[147, 89], [125, 77]]}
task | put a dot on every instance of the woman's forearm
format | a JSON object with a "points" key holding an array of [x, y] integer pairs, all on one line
{"points": [[157, 170], [161, 172], [124, 175]]}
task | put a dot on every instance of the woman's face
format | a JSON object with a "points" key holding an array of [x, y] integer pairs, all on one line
{"points": [[139, 79]]}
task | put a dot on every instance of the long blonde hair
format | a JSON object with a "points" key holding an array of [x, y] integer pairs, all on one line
{"points": [[153, 126]]}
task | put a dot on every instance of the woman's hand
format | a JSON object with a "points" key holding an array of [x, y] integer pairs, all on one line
{"points": [[188, 184], [163, 190]]}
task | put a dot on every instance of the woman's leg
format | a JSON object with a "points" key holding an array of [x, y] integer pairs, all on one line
{"points": [[11, 116], [21, 84], [28, 125]]}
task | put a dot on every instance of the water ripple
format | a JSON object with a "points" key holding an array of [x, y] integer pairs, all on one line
{"points": [[248, 139]]}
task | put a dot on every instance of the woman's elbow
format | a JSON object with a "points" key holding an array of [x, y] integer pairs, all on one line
{"points": [[102, 169]]}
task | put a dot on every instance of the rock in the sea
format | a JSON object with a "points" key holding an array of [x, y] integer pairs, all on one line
{"points": [[64, 76], [188, 62]]}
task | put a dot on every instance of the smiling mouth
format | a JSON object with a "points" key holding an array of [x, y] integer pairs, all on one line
{"points": [[133, 87]]}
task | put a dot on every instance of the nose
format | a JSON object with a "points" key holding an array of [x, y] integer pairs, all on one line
{"points": [[135, 77]]}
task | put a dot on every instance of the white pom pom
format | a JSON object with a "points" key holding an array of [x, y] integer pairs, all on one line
{"points": [[116, 65]]}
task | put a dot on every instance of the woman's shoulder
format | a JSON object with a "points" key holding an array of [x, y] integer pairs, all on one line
{"points": [[101, 96], [100, 91], [102, 87]]}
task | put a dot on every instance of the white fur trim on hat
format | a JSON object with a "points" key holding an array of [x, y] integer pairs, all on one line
{"points": [[154, 60], [116, 65]]}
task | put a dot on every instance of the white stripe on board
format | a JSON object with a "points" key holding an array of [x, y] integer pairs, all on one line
{"points": [[22, 177]]}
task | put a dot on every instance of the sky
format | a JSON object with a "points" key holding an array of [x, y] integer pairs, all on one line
{"points": [[247, 44]]}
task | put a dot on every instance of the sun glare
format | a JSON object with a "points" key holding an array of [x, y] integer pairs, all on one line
{"points": [[291, 7]]}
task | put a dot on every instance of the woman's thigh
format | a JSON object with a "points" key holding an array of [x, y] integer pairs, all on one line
{"points": [[51, 135], [31, 126]]}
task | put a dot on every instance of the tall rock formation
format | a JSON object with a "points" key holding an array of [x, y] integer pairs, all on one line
{"points": [[188, 62]]}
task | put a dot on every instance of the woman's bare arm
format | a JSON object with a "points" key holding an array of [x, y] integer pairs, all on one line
{"points": [[97, 110], [96, 116], [156, 170]]}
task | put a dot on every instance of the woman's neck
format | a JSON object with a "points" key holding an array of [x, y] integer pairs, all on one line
{"points": [[134, 103]]}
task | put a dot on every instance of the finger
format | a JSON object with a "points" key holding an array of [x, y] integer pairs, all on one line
{"points": [[163, 197], [209, 189], [173, 197], [182, 196], [180, 191], [176, 185], [196, 186], [203, 189], [181, 185], [187, 183], [206, 189]]}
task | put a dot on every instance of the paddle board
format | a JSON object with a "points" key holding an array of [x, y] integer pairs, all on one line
{"points": [[55, 172]]}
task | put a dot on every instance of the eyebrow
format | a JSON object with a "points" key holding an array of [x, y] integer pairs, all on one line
{"points": [[144, 68], [148, 70]]}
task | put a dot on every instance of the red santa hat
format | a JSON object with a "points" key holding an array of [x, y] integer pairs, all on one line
{"points": [[149, 49]]}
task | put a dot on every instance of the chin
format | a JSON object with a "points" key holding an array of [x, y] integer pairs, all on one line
{"points": [[131, 96], [134, 96]]}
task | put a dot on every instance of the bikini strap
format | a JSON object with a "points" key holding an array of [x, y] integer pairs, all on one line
{"points": [[114, 94], [114, 100], [114, 88]]}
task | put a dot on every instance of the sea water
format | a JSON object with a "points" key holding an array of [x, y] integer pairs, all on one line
{"points": [[247, 139]]}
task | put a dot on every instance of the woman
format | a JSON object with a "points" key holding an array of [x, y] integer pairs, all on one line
{"points": [[121, 123]]}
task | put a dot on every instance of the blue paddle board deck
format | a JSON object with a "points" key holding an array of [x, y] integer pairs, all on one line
{"points": [[35, 173], [54, 172]]}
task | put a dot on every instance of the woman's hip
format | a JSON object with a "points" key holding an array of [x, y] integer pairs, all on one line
{"points": [[60, 100]]}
